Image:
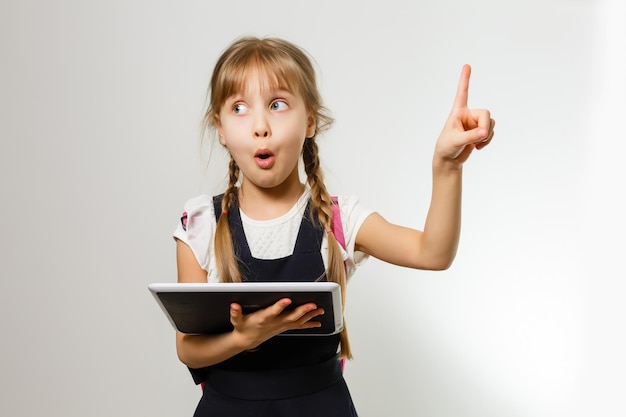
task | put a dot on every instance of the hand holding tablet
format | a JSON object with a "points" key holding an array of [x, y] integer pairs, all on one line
{"points": [[205, 308]]}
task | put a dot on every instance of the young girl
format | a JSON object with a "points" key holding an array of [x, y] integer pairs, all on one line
{"points": [[269, 225]]}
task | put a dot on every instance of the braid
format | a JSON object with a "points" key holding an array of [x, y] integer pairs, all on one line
{"points": [[227, 267], [321, 205], [319, 195], [230, 194]]}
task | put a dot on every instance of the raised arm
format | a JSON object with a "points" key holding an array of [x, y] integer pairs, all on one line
{"points": [[435, 247]]}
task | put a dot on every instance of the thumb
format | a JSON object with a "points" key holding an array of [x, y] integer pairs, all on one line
{"points": [[475, 135], [235, 311]]}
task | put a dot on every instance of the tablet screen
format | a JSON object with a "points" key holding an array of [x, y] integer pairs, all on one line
{"points": [[205, 308]]}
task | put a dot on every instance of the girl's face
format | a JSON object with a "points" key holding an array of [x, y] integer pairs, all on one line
{"points": [[264, 129]]}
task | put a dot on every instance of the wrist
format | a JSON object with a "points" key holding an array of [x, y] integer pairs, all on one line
{"points": [[242, 342], [446, 167], [239, 341]]}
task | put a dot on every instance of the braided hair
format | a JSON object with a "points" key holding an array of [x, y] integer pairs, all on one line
{"points": [[286, 66]]}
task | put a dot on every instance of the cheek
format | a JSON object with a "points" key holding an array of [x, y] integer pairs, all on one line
{"points": [[233, 145], [295, 137], [230, 134], [298, 130]]}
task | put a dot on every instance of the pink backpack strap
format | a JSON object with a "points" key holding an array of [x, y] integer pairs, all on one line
{"points": [[337, 227], [338, 232]]}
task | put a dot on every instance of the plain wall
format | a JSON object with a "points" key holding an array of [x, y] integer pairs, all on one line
{"points": [[100, 105]]}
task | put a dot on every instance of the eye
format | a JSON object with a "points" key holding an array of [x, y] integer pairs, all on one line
{"points": [[279, 105], [240, 108]]}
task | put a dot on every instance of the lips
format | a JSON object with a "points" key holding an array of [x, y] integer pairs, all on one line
{"points": [[264, 158]]}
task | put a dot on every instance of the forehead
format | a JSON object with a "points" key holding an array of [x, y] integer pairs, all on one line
{"points": [[261, 78]]}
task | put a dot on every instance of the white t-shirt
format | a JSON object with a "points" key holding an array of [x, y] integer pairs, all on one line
{"points": [[268, 239]]}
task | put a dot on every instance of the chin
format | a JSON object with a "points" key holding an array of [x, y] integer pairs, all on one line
{"points": [[266, 183]]}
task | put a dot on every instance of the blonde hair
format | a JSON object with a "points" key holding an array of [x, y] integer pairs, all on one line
{"points": [[288, 67]]}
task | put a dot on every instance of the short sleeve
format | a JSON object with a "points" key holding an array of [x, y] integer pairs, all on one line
{"points": [[196, 228], [353, 214]]}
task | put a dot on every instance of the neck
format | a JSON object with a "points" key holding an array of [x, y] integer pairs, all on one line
{"points": [[269, 203]]}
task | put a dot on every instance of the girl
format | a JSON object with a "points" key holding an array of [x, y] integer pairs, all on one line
{"points": [[270, 226]]}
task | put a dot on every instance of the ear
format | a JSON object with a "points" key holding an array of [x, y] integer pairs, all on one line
{"points": [[220, 131], [311, 125]]}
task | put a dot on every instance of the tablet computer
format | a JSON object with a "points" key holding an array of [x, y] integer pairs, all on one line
{"points": [[204, 308]]}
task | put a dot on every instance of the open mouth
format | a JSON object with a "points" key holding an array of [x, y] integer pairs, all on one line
{"points": [[264, 158], [263, 154]]}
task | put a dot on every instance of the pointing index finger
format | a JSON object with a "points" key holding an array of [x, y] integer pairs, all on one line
{"points": [[460, 101]]}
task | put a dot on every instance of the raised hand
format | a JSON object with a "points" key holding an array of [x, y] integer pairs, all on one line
{"points": [[465, 129]]}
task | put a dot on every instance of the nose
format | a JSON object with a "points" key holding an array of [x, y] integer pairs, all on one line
{"points": [[261, 127], [261, 133]]}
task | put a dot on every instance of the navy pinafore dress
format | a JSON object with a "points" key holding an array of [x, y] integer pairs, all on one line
{"points": [[285, 376]]}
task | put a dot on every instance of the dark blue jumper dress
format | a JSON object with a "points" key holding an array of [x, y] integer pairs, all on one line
{"points": [[286, 375]]}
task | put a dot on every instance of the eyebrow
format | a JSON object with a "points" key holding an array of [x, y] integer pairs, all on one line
{"points": [[270, 92]]}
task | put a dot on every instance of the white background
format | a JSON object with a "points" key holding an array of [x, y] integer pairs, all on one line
{"points": [[100, 105]]}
